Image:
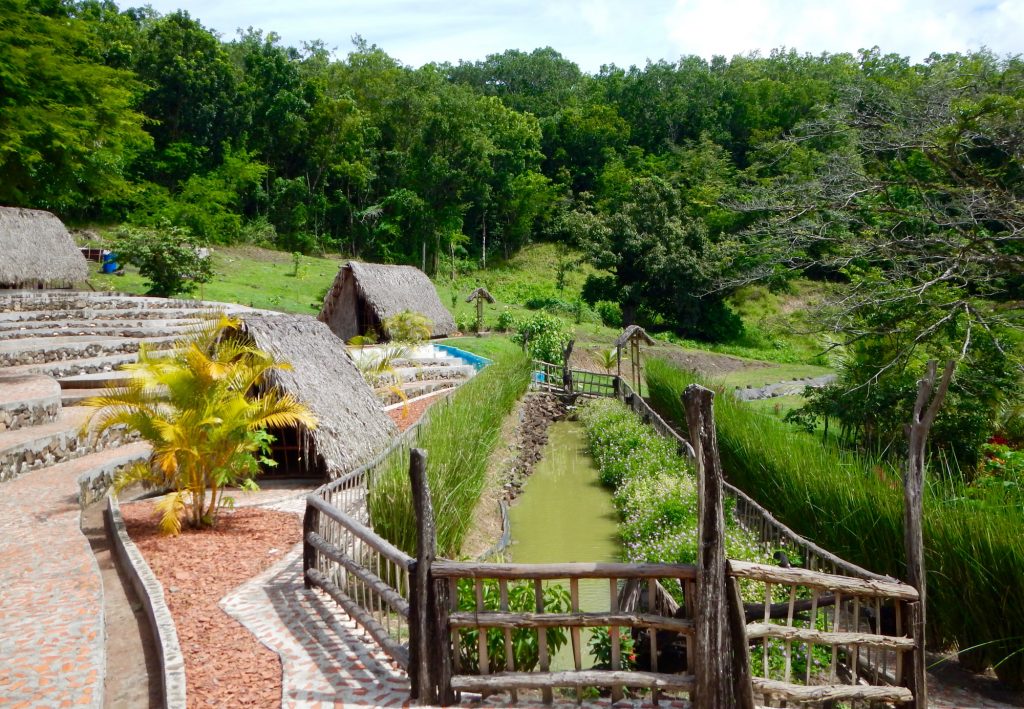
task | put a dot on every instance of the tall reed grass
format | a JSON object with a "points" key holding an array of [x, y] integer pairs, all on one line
{"points": [[854, 507], [458, 438]]}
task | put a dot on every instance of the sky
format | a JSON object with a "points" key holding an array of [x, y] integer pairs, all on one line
{"points": [[597, 32]]}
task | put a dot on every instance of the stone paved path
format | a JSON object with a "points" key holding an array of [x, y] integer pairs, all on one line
{"points": [[51, 595]]}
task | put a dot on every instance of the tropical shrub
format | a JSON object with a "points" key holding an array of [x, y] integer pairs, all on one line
{"points": [[654, 489], [202, 411], [852, 506], [610, 313], [521, 599], [458, 439], [546, 336], [168, 257], [407, 327]]}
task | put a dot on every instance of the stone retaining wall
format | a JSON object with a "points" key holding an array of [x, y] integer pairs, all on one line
{"points": [[23, 414], [151, 593], [58, 448], [67, 353]]}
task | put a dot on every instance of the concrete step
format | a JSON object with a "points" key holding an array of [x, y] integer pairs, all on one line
{"points": [[28, 400], [414, 389], [89, 383], [423, 373], [42, 350], [36, 447], [75, 300]]}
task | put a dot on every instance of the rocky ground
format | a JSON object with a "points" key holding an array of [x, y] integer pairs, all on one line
{"points": [[536, 414]]}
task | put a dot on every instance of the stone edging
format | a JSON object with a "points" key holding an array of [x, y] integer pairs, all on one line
{"points": [[151, 594]]}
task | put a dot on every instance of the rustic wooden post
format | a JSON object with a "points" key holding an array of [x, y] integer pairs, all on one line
{"points": [[618, 360], [926, 408], [742, 683], [480, 295], [310, 522], [567, 368], [714, 668], [424, 655]]}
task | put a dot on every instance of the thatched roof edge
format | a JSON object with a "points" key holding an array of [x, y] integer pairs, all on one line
{"points": [[36, 250], [352, 424], [480, 293], [631, 332]]}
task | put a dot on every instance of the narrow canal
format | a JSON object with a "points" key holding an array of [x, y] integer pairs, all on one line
{"points": [[565, 514]]}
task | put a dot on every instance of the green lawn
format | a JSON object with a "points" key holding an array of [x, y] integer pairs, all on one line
{"points": [[264, 278], [251, 276]]}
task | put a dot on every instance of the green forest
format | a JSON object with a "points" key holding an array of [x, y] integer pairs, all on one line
{"points": [[895, 185]]}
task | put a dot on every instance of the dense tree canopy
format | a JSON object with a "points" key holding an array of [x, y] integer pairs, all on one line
{"points": [[683, 179]]}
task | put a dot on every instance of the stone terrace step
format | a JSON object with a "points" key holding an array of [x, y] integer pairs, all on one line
{"points": [[64, 300], [68, 368], [41, 350], [96, 471], [90, 382], [106, 363], [415, 374], [28, 400], [109, 328], [7, 317], [414, 389], [28, 449], [428, 362]]}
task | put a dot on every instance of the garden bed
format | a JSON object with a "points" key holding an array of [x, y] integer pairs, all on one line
{"points": [[224, 664]]}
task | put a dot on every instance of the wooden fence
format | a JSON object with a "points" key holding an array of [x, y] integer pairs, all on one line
{"points": [[850, 636]]}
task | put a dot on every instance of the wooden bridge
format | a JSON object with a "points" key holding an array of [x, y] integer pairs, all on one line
{"points": [[857, 636]]}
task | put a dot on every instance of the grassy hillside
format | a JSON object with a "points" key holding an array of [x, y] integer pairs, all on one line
{"points": [[264, 278]]}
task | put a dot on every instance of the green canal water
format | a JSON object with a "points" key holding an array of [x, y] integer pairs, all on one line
{"points": [[565, 514]]}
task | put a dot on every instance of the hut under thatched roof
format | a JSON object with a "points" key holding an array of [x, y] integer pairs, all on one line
{"points": [[36, 251], [352, 424], [365, 294]]}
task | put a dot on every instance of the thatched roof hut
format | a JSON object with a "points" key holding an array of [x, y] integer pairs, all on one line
{"points": [[36, 251], [352, 424], [365, 294]]}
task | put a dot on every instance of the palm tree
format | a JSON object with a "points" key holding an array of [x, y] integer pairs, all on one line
{"points": [[608, 359], [204, 409]]}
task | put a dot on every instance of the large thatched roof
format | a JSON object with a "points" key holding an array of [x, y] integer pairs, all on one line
{"points": [[388, 291], [352, 424], [36, 250]]}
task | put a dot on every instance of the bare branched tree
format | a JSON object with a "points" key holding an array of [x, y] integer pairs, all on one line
{"points": [[913, 193]]}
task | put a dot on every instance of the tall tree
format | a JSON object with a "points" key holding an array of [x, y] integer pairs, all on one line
{"points": [[67, 125]]}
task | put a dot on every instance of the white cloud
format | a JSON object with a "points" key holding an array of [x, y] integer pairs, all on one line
{"points": [[623, 32], [909, 27]]}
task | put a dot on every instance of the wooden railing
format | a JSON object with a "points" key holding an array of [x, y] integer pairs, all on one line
{"points": [[862, 629], [617, 676], [357, 568]]}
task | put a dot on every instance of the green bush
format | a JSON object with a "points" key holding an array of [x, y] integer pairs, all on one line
{"points": [[521, 599], [458, 439], [609, 312], [168, 258], [655, 491], [850, 505], [547, 337]]}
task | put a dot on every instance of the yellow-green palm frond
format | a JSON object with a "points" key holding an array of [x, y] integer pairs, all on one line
{"points": [[138, 473], [171, 507], [279, 411]]}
